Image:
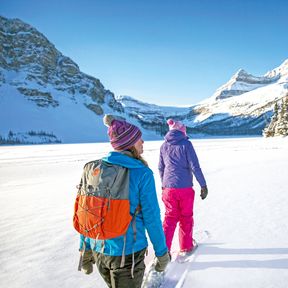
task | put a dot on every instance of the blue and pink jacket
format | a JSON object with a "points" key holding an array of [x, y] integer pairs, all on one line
{"points": [[178, 160]]}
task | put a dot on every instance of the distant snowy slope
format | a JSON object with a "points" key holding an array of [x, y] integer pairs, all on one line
{"points": [[240, 83], [152, 116], [251, 103], [244, 103], [243, 82], [133, 105], [70, 120]]}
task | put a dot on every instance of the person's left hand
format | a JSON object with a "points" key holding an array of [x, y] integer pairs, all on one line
{"points": [[204, 192], [162, 262]]}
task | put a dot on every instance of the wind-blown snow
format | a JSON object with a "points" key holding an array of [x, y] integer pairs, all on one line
{"points": [[245, 212]]}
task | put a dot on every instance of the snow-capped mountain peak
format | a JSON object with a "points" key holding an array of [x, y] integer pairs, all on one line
{"points": [[280, 72], [242, 82]]}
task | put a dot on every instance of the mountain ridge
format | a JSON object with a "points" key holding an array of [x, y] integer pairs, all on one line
{"points": [[56, 102]]}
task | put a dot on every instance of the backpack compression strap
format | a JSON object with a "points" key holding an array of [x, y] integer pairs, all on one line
{"points": [[133, 222]]}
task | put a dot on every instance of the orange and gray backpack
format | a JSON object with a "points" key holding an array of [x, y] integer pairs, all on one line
{"points": [[102, 206]]}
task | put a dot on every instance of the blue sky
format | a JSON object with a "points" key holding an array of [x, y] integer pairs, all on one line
{"points": [[163, 52]]}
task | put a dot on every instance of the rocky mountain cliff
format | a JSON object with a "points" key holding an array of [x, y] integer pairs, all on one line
{"points": [[32, 67], [45, 98], [28, 52]]}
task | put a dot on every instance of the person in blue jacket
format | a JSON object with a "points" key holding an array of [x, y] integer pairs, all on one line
{"points": [[126, 139]]}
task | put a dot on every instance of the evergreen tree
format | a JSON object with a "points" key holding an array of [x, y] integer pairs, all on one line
{"points": [[283, 121], [279, 121], [278, 127], [269, 131]]}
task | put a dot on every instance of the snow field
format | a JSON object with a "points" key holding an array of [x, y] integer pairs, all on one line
{"points": [[245, 212]]}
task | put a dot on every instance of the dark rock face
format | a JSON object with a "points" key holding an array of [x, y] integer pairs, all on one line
{"points": [[25, 50]]}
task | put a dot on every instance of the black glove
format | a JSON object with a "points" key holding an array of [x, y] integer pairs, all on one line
{"points": [[204, 192], [88, 261], [162, 262]]}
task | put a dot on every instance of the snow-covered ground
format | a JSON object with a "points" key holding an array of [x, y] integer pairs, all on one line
{"points": [[245, 213]]}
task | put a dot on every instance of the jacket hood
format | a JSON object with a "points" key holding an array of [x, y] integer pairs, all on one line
{"points": [[174, 136], [122, 159]]}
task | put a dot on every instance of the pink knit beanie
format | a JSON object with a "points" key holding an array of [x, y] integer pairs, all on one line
{"points": [[122, 134], [176, 125]]}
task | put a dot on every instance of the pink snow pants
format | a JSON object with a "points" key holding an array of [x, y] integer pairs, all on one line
{"points": [[179, 208]]}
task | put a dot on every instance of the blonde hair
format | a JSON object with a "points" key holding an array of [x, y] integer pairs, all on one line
{"points": [[137, 156]]}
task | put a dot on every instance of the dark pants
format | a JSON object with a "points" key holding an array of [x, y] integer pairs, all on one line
{"points": [[116, 277]]}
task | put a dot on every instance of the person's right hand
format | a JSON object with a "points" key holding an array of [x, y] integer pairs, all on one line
{"points": [[204, 192], [162, 262]]}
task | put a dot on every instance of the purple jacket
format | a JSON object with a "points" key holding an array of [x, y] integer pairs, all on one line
{"points": [[178, 160]]}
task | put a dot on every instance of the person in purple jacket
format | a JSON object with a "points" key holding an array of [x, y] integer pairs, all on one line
{"points": [[177, 164]]}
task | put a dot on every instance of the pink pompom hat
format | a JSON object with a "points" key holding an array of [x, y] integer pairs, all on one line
{"points": [[176, 125]]}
